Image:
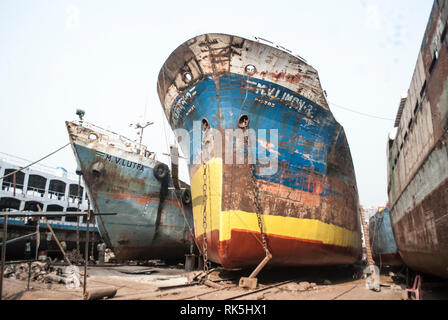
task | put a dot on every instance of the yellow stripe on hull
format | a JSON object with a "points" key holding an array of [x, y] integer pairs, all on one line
{"points": [[288, 227], [224, 221]]}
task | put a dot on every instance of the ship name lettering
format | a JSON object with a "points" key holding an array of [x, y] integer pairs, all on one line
{"points": [[275, 93], [123, 162], [265, 102]]}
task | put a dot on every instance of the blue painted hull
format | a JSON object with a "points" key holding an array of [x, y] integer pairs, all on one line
{"points": [[205, 80], [382, 240], [306, 131], [147, 225]]}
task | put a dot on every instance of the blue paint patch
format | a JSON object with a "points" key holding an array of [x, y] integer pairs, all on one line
{"points": [[55, 226], [306, 131], [135, 199], [381, 234]]}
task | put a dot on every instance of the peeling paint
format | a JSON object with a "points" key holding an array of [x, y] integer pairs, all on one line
{"points": [[418, 159], [315, 180], [151, 221]]}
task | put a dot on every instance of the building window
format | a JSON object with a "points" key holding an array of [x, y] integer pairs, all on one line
{"points": [[416, 108], [422, 92], [434, 60], [442, 37], [53, 208], [70, 218]]}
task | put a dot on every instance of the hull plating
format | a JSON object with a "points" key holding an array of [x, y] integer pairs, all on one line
{"points": [[418, 157], [151, 221], [382, 240], [310, 204]]}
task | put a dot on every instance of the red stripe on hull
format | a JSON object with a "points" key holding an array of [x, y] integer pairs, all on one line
{"points": [[245, 250]]}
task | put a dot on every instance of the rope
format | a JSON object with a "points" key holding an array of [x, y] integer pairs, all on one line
{"points": [[179, 201], [361, 113], [20, 169]]}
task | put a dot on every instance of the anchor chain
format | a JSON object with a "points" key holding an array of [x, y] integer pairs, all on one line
{"points": [[256, 198], [204, 218], [251, 281], [259, 210], [204, 203]]}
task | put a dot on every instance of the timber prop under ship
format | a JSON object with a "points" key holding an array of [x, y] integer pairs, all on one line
{"points": [[308, 209], [154, 216]]}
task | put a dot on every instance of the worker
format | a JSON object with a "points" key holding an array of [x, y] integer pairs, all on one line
{"points": [[101, 247], [27, 249]]}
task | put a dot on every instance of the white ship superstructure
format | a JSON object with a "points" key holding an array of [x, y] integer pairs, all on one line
{"points": [[53, 189]]}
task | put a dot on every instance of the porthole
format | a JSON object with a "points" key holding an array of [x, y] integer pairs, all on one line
{"points": [[250, 69], [187, 77], [205, 124], [93, 136], [243, 121]]}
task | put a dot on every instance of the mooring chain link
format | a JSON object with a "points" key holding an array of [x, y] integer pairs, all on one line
{"points": [[256, 199], [258, 208], [204, 211]]}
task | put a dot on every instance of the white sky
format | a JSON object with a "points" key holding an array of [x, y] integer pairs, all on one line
{"points": [[105, 56]]}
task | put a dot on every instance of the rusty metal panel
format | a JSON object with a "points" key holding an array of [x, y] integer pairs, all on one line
{"points": [[418, 180], [151, 221], [382, 240], [310, 204]]}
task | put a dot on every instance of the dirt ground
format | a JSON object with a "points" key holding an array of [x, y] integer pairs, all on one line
{"points": [[169, 283]]}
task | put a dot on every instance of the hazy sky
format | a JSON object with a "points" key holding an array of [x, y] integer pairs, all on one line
{"points": [[105, 56]]}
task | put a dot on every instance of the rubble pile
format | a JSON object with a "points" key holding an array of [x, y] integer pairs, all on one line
{"points": [[43, 272], [75, 257]]}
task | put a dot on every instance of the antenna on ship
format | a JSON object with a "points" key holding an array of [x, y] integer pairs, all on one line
{"points": [[141, 126], [80, 113]]}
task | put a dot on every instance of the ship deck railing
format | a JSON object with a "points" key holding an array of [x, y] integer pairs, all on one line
{"points": [[8, 187], [139, 149], [101, 130], [55, 221], [20, 162]]}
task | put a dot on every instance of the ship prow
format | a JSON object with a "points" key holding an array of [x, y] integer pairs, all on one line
{"points": [[307, 209], [154, 219]]}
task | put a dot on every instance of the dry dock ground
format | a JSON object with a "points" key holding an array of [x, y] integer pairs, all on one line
{"points": [[168, 283]]}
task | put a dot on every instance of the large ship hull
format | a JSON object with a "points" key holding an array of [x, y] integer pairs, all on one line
{"points": [[382, 240], [309, 205], [151, 222], [418, 156]]}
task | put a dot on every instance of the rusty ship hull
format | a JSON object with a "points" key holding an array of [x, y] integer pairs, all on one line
{"points": [[382, 240], [418, 156], [153, 221], [309, 205]]}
